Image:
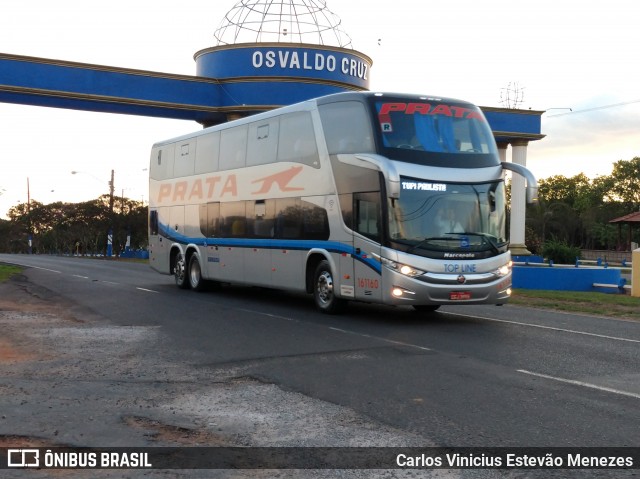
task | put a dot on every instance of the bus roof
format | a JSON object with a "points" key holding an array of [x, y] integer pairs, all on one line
{"points": [[309, 105]]}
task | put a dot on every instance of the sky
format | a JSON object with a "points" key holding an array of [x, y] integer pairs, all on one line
{"points": [[560, 55]]}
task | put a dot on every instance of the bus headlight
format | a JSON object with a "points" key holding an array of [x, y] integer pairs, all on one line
{"points": [[402, 268], [504, 270]]}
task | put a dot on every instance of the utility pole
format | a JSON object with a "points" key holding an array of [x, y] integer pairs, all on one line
{"points": [[111, 189], [29, 237], [110, 232]]}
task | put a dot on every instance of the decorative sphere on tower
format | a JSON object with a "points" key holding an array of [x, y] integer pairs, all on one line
{"points": [[274, 53], [290, 21]]}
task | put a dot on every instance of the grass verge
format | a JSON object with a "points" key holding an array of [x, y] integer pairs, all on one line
{"points": [[6, 271], [601, 304]]}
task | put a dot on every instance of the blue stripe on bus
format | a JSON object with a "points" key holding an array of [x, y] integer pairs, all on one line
{"points": [[272, 243]]}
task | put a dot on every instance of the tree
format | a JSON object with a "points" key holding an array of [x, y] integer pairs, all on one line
{"points": [[625, 183], [72, 228], [577, 210]]}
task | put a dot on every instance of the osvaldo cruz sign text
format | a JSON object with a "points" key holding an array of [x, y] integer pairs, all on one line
{"points": [[285, 60]]}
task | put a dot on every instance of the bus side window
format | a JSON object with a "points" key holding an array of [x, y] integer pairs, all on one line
{"points": [[297, 140], [233, 219], [288, 223], [209, 219], [262, 147], [346, 127], [233, 147], [261, 218], [315, 222], [204, 225], [367, 208]]}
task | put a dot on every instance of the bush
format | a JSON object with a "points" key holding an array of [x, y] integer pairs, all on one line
{"points": [[560, 252]]}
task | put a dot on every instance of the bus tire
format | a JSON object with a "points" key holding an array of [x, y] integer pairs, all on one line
{"points": [[426, 308], [180, 272], [195, 274], [323, 292]]}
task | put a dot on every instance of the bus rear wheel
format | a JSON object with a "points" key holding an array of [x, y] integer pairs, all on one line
{"points": [[323, 290], [195, 274], [180, 272]]}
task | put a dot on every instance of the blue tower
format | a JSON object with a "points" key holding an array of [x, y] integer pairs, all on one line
{"points": [[273, 53]]}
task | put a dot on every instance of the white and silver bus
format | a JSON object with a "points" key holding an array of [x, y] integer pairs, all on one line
{"points": [[383, 198]]}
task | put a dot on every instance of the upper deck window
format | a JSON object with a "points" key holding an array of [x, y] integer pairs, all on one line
{"points": [[435, 132], [347, 127]]}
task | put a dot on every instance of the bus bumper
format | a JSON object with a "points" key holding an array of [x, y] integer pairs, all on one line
{"points": [[484, 288]]}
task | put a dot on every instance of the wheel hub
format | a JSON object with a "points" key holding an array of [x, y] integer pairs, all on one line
{"points": [[325, 287]]}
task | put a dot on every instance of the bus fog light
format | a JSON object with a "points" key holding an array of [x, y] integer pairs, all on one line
{"points": [[401, 292]]}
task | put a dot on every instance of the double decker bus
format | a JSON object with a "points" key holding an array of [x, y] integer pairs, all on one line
{"points": [[383, 198]]}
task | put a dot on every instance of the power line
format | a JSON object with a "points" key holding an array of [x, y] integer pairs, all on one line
{"points": [[604, 107]]}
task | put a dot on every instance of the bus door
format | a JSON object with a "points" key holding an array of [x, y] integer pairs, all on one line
{"points": [[366, 244], [158, 254]]}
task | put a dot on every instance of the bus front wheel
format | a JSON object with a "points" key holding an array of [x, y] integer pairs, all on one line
{"points": [[180, 272], [323, 290]]}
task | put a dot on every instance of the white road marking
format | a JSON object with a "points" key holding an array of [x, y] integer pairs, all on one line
{"points": [[580, 383], [552, 328], [345, 331], [147, 290], [36, 267], [378, 338]]}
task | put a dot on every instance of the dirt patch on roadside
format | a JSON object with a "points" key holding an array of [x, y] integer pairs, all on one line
{"points": [[11, 354], [25, 441], [167, 433], [18, 294], [22, 302]]}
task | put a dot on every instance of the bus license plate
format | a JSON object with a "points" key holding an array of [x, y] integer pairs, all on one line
{"points": [[459, 295]]}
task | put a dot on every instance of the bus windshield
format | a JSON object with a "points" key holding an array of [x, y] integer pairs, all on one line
{"points": [[431, 218], [436, 132]]}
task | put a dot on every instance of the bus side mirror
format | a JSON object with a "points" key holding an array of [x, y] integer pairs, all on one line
{"points": [[532, 183]]}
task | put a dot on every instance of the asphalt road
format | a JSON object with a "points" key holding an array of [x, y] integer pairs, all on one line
{"points": [[466, 376]]}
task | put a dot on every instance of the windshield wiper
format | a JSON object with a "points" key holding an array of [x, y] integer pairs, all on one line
{"points": [[490, 239], [426, 240]]}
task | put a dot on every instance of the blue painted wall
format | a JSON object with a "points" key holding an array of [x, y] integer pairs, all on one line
{"points": [[565, 279]]}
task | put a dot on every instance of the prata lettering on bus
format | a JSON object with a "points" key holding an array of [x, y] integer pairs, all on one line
{"points": [[293, 60], [428, 109], [225, 186]]}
